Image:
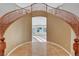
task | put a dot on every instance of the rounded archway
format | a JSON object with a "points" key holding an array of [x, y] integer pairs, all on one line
{"points": [[55, 26], [44, 9], [13, 15]]}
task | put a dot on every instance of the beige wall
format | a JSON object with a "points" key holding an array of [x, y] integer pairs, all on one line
{"points": [[73, 36], [59, 32], [18, 33]]}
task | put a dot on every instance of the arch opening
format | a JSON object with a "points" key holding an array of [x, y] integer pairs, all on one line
{"points": [[53, 21], [50, 23]]}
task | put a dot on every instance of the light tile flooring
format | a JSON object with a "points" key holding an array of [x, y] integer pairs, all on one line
{"points": [[50, 50]]}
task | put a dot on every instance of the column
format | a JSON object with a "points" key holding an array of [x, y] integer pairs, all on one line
{"points": [[76, 46], [2, 46]]}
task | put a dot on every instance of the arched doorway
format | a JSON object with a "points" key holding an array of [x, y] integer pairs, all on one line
{"points": [[58, 26], [71, 19]]}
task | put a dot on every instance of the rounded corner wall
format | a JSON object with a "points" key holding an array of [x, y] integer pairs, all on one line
{"points": [[18, 33], [59, 32]]}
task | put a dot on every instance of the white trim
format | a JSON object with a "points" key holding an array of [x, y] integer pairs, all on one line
{"points": [[47, 42], [59, 47], [17, 47]]}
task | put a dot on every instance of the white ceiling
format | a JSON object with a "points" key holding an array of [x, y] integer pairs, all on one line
{"points": [[27, 4], [22, 5], [71, 7], [7, 7]]}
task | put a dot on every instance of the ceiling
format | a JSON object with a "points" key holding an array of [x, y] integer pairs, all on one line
{"points": [[7, 7], [27, 4]]}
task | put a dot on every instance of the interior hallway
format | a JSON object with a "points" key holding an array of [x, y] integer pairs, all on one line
{"points": [[51, 50], [60, 30]]}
